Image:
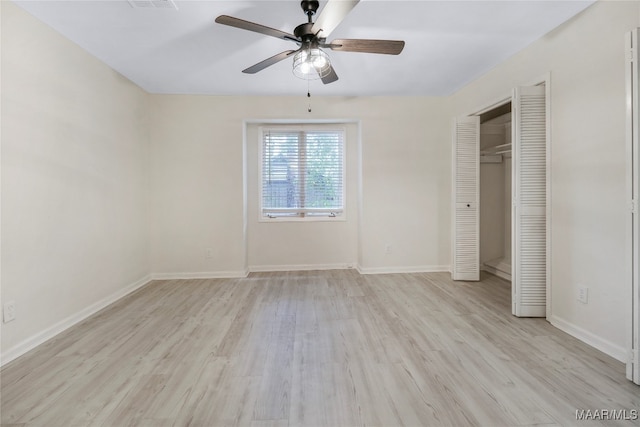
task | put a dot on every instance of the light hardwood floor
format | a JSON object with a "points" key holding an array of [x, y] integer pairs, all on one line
{"points": [[320, 348]]}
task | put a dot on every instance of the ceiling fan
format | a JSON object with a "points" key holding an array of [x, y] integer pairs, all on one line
{"points": [[309, 60]]}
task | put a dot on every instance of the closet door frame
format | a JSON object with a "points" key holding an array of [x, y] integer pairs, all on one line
{"points": [[632, 77], [545, 80]]}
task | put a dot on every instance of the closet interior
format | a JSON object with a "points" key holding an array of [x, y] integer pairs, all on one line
{"points": [[495, 191]]}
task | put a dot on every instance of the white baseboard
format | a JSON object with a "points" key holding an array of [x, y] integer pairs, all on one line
{"points": [[45, 335], [299, 267], [500, 267], [607, 347], [413, 269], [230, 274], [496, 272]]}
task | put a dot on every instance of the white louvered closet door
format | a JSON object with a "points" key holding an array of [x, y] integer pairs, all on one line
{"points": [[529, 275], [466, 169]]}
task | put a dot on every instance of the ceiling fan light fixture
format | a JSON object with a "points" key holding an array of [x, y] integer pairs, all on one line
{"points": [[311, 64]]}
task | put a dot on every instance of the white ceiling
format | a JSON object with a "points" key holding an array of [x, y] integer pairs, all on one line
{"points": [[448, 43]]}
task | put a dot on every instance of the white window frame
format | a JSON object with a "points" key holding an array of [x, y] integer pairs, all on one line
{"points": [[308, 215]]}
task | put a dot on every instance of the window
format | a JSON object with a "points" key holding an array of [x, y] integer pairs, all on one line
{"points": [[302, 172]]}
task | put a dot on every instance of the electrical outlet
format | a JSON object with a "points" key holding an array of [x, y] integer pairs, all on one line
{"points": [[208, 253], [583, 294], [388, 249], [9, 312]]}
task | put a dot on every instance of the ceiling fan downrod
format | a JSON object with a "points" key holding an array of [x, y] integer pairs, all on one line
{"points": [[309, 7], [303, 31]]}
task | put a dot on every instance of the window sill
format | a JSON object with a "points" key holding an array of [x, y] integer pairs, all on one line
{"points": [[341, 218]]}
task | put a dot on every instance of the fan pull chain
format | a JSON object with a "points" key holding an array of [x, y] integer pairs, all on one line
{"points": [[309, 96]]}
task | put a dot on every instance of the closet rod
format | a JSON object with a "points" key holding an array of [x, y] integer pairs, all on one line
{"points": [[498, 149]]}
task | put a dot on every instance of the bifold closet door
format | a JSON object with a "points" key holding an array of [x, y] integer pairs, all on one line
{"points": [[633, 223], [529, 248], [466, 178]]}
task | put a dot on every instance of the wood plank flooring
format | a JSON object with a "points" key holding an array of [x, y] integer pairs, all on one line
{"points": [[319, 348]]}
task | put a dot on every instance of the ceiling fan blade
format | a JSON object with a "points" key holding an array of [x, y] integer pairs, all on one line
{"points": [[331, 16], [269, 62], [388, 47], [331, 77], [252, 26]]}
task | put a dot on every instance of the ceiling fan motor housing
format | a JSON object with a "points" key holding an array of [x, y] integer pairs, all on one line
{"points": [[304, 33]]}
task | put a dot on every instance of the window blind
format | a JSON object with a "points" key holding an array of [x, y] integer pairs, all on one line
{"points": [[302, 172]]}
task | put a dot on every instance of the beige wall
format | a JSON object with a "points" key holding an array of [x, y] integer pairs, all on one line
{"points": [[400, 174], [586, 61], [74, 182], [197, 192]]}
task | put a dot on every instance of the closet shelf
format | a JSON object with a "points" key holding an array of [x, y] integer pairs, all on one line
{"points": [[498, 149], [491, 159]]}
